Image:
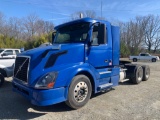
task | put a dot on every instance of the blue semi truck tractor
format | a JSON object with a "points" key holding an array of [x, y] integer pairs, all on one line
{"points": [[82, 60]]}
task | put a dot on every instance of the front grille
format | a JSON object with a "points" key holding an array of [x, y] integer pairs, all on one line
{"points": [[21, 68]]}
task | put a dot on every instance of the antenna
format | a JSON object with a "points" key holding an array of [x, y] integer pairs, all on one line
{"points": [[101, 9]]}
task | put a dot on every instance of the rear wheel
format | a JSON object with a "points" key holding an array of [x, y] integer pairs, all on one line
{"points": [[79, 92], [134, 59], [1, 79], [146, 72], [138, 75]]}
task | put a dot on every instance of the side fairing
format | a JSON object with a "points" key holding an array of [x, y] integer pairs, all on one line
{"points": [[116, 45]]}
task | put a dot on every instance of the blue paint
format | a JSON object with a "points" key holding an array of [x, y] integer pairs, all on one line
{"points": [[81, 57], [116, 45]]}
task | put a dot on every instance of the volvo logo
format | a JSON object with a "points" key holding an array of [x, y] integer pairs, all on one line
{"points": [[20, 67]]}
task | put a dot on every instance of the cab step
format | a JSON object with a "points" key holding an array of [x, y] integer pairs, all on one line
{"points": [[105, 86]]}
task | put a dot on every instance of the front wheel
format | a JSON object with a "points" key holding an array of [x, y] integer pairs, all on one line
{"points": [[153, 60], [1, 79], [79, 92]]}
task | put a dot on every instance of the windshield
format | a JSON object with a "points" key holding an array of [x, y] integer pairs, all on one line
{"points": [[1, 50], [72, 33]]}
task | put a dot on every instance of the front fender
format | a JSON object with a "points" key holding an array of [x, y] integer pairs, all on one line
{"points": [[65, 75]]}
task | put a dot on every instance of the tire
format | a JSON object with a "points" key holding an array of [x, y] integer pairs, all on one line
{"points": [[146, 72], [153, 59], [1, 79], [138, 75], [134, 59], [79, 92]]}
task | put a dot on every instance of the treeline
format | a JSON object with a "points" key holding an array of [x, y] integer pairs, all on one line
{"points": [[141, 34], [28, 32]]}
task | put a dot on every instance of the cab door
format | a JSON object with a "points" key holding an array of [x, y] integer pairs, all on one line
{"points": [[100, 50]]}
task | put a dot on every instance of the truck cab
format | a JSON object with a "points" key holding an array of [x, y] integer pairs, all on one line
{"points": [[83, 59]]}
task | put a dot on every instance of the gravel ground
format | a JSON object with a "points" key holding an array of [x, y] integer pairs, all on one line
{"points": [[124, 102]]}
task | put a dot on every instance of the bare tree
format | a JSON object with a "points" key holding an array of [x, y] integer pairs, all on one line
{"points": [[133, 34], [30, 24], [141, 32], [15, 27], [44, 27], [2, 22], [156, 43], [152, 29], [33, 25], [40, 29], [49, 27]]}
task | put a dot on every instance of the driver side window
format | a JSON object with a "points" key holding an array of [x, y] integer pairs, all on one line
{"points": [[99, 35], [95, 36]]}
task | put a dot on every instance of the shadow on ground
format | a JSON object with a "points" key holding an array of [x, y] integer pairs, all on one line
{"points": [[126, 83], [14, 106]]}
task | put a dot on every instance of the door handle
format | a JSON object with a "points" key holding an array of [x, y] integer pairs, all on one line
{"points": [[106, 61]]}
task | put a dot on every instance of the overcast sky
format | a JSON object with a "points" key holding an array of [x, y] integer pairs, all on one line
{"points": [[59, 11]]}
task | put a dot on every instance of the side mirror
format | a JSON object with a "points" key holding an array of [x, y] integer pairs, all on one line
{"points": [[53, 36], [102, 34]]}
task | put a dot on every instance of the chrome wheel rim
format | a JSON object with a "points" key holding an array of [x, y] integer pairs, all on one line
{"points": [[80, 91]]}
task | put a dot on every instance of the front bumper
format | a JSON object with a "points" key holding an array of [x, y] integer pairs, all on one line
{"points": [[40, 97]]}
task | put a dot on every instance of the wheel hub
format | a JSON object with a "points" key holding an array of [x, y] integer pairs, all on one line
{"points": [[80, 91]]}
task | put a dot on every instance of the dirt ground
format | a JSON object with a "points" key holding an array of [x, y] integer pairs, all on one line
{"points": [[124, 102]]}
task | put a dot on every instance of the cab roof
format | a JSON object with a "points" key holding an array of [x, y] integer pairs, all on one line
{"points": [[90, 20]]}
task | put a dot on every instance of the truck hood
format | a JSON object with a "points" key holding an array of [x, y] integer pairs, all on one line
{"points": [[50, 58], [38, 51], [55, 48]]}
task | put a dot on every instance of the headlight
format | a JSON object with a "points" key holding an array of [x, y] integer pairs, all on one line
{"points": [[47, 81]]}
